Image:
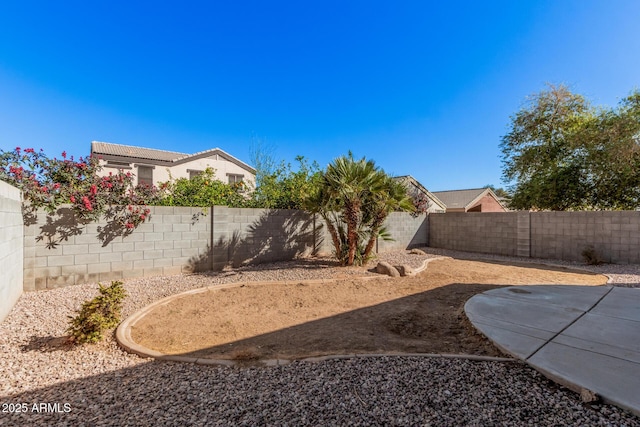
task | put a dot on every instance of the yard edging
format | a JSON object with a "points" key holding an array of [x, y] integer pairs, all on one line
{"points": [[125, 340]]}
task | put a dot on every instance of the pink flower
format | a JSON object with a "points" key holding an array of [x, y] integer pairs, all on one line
{"points": [[72, 199], [29, 150], [129, 225], [142, 217], [87, 203], [18, 150], [64, 154], [93, 190]]}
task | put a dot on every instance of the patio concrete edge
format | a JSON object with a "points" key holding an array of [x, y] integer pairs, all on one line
{"points": [[568, 381]]}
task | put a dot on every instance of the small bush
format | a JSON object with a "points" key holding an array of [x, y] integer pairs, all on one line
{"points": [[97, 315], [591, 256]]}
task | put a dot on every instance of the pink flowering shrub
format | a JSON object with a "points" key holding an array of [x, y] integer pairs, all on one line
{"points": [[49, 183], [421, 203]]}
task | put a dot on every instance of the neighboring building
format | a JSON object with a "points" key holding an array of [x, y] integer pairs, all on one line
{"points": [[152, 166], [414, 188], [474, 200]]}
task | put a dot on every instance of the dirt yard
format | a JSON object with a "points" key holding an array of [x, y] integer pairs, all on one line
{"points": [[408, 315]]}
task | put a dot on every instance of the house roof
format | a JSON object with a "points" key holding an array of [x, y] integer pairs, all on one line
{"points": [[409, 180], [98, 147], [464, 199], [161, 157]]}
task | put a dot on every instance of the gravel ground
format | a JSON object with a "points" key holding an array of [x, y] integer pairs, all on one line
{"points": [[102, 385], [622, 275]]}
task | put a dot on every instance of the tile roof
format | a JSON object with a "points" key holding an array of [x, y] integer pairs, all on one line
{"points": [[135, 152], [459, 198], [154, 155]]}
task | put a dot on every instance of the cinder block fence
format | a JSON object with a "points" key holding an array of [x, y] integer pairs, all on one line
{"points": [[60, 252], [11, 248], [615, 235]]}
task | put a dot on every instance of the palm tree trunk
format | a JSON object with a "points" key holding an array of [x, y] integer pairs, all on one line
{"points": [[351, 211], [332, 231], [375, 227]]}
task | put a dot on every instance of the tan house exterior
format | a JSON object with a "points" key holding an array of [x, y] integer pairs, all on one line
{"points": [[151, 166], [414, 188], [473, 200]]}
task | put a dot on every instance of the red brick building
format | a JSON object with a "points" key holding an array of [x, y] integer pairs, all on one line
{"points": [[473, 200]]}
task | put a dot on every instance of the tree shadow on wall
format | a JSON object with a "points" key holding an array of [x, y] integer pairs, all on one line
{"points": [[58, 227], [64, 223], [115, 226], [277, 235]]}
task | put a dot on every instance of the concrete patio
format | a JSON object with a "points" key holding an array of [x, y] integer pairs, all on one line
{"points": [[583, 337]]}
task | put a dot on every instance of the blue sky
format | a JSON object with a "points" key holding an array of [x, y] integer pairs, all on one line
{"points": [[424, 88]]}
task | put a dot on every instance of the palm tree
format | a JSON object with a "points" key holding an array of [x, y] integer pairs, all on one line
{"points": [[392, 196], [358, 196]]}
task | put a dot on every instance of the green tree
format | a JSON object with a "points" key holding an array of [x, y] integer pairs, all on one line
{"points": [[354, 198], [564, 154], [263, 159], [202, 190], [285, 188], [390, 196], [614, 155], [543, 154]]}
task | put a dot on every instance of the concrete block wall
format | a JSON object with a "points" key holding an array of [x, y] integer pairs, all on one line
{"points": [[523, 234], [407, 232], [490, 232], [176, 239], [254, 236], [61, 252], [11, 248], [615, 235]]}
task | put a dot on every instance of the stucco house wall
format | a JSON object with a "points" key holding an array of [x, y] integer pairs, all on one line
{"points": [[166, 165], [223, 168]]}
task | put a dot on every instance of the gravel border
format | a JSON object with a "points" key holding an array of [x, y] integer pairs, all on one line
{"points": [[103, 385]]}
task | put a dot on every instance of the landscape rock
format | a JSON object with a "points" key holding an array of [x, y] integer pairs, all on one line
{"points": [[405, 270], [388, 269], [588, 396], [417, 252]]}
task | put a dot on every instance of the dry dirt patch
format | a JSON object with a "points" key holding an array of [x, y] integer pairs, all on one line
{"points": [[410, 314]]}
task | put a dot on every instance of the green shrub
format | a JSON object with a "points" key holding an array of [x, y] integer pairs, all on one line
{"points": [[202, 190], [97, 315], [284, 188]]}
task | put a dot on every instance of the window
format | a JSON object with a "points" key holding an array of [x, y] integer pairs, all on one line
{"points": [[193, 173], [234, 178], [118, 165], [145, 175]]}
